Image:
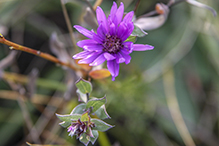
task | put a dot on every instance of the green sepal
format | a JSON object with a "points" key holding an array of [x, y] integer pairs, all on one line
{"points": [[131, 39]]}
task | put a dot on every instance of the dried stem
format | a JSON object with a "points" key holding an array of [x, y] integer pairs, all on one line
{"points": [[69, 26], [97, 3], [35, 52], [168, 80]]}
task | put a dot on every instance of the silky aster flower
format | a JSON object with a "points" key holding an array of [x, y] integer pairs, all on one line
{"points": [[109, 42]]}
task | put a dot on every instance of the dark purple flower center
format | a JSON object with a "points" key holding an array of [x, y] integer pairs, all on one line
{"points": [[112, 44]]}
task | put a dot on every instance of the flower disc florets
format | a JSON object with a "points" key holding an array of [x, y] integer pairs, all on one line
{"points": [[109, 43], [112, 44]]}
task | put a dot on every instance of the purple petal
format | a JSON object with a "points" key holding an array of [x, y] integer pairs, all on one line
{"points": [[108, 56], [84, 31], [113, 11], [98, 38], [90, 58], [121, 30], [119, 14], [128, 47], [119, 58], [101, 31], [127, 57], [131, 27], [128, 17], [81, 55], [112, 29], [85, 42], [101, 18], [113, 68], [93, 47], [99, 60], [141, 47]]}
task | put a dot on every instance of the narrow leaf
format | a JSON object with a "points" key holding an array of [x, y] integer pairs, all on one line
{"points": [[96, 103], [101, 125], [84, 86]]}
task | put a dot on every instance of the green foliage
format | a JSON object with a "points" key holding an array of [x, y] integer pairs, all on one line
{"points": [[101, 125], [84, 86], [67, 119], [138, 32], [96, 103]]}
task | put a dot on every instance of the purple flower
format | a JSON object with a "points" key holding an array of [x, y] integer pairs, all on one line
{"points": [[109, 43], [78, 127]]}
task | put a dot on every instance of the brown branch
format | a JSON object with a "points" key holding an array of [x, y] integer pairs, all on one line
{"points": [[35, 52]]}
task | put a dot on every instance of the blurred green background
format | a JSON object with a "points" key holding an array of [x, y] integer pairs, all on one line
{"points": [[186, 51]]}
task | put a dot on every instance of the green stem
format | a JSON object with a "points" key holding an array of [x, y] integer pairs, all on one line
{"points": [[103, 139]]}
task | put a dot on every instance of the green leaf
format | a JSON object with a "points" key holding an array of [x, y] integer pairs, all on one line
{"points": [[69, 118], [85, 139], [96, 103], [138, 32], [81, 96], [95, 134], [131, 39], [84, 86], [79, 109], [65, 124], [102, 113], [100, 125]]}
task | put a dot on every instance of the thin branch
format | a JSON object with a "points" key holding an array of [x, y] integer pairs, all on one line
{"points": [[35, 52], [69, 26], [154, 12], [169, 88], [97, 3]]}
